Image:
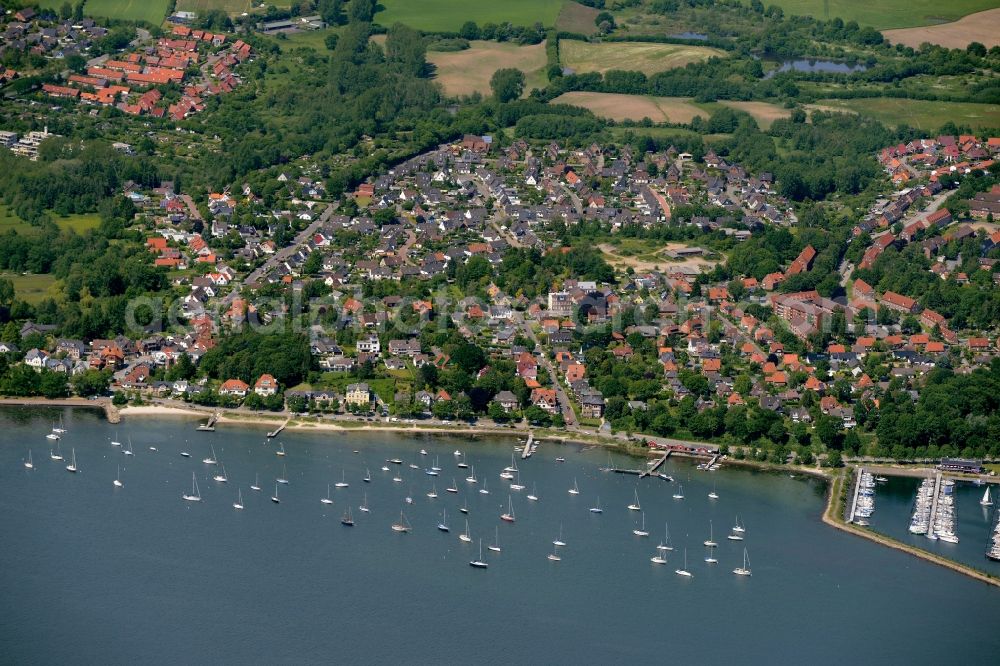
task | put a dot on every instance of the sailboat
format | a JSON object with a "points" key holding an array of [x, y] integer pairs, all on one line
{"points": [[128, 449], [495, 546], [711, 542], [575, 490], [436, 467], [517, 483], [221, 478], [709, 557], [52, 435], [658, 558], [642, 531], [443, 525], [184, 454], [195, 495], [29, 464], [680, 492], [327, 500], [738, 527], [559, 541], [479, 563], [509, 516], [72, 466], [597, 508], [483, 490], [430, 472], [745, 569], [986, 501], [283, 479], [211, 459], [118, 479], [368, 476], [385, 468], [472, 475], [347, 519], [364, 505], [342, 483], [60, 430], [713, 494], [554, 555], [735, 536], [635, 506], [433, 492], [238, 504], [684, 571], [464, 536], [465, 506], [398, 478], [280, 451], [665, 544], [402, 525], [461, 462], [256, 483], [453, 488], [274, 497], [533, 497], [423, 452], [55, 455], [115, 441]]}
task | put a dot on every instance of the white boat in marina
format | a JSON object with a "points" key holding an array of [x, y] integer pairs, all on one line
{"points": [[29, 463], [635, 505], [554, 555], [479, 563], [221, 477], [641, 532], [283, 479], [395, 461], [559, 542], [256, 483], [509, 516], [443, 525], [465, 536], [385, 468], [709, 557], [423, 452], [403, 525], [533, 497], [472, 476], [281, 450], [738, 527], [274, 497], [211, 460], [72, 466], [128, 449], [495, 546], [517, 482], [238, 504], [745, 569], [735, 537], [55, 455], [437, 465], [575, 490], [118, 479], [368, 476], [347, 519], [713, 495], [433, 493], [665, 544], [711, 541], [986, 501], [195, 495], [453, 488], [364, 505], [484, 490], [412, 466], [184, 454], [52, 436], [679, 494], [597, 507], [115, 441], [342, 483], [684, 572], [658, 557], [465, 506], [327, 499], [457, 453]]}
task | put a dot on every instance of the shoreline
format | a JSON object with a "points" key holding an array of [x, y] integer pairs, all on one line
{"points": [[835, 481]]}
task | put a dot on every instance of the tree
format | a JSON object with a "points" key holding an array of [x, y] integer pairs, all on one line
{"points": [[90, 382], [507, 84], [330, 41], [65, 11], [313, 263], [829, 433], [296, 403], [54, 385], [469, 30]]}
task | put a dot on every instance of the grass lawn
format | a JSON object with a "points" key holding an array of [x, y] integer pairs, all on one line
{"points": [[449, 15], [80, 223], [469, 71], [11, 222], [31, 288], [886, 13], [635, 107], [577, 18], [921, 114], [151, 11], [315, 39], [583, 57]]}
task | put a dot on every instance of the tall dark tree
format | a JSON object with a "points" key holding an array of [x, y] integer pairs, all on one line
{"points": [[507, 84]]}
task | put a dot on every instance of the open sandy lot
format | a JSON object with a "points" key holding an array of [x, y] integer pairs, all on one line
{"points": [[469, 71], [982, 27], [646, 57], [634, 107]]}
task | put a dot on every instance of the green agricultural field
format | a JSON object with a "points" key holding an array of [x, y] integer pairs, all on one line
{"points": [[886, 13], [80, 223], [449, 15], [151, 11], [32, 288], [9, 221], [583, 57], [921, 114]]}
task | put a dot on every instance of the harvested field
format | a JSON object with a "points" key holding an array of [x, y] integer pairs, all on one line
{"points": [[982, 27], [577, 18], [649, 58], [764, 113], [469, 71], [634, 107], [886, 14]]}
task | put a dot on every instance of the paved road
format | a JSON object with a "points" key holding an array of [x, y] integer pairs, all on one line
{"points": [[567, 407], [286, 252]]}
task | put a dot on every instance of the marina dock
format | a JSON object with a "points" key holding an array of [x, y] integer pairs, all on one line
{"points": [[209, 426], [529, 447], [277, 431], [854, 497], [656, 465], [934, 505]]}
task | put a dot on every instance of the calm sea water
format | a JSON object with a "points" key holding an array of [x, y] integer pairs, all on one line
{"points": [[91, 574], [894, 507]]}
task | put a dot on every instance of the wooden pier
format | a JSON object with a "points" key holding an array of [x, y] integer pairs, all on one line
{"points": [[934, 504], [529, 447], [656, 465], [277, 431], [209, 426]]}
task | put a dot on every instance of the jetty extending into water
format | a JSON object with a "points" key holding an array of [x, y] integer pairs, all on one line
{"points": [[656, 465], [858, 474], [529, 446], [277, 431], [209, 426]]}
